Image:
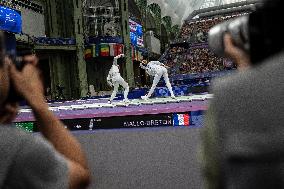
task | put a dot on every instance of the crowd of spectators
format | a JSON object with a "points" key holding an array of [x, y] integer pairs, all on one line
{"points": [[173, 56], [200, 60], [197, 30], [197, 58]]}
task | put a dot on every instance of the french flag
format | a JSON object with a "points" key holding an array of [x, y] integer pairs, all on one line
{"points": [[181, 120]]}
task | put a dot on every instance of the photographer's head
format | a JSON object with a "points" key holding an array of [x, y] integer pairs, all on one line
{"points": [[4, 80], [8, 110], [266, 32], [11, 64]]}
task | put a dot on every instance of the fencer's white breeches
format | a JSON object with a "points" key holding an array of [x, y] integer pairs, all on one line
{"points": [[118, 80], [159, 73]]}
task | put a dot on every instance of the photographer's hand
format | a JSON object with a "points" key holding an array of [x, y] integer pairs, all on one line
{"points": [[8, 113], [240, 57], [27, 82]]}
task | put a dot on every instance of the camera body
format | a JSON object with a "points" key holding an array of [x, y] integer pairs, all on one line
{"points": [[8, 48], [239, 30]]}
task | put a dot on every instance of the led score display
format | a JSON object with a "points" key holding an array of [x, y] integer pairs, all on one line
{"points": [[136, 34]]}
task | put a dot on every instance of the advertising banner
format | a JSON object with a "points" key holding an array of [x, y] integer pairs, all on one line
{"points": [[181, 119], [119, 49], [112, 49], [136, 34], [104, 50], [88, 53], [186, 119]]}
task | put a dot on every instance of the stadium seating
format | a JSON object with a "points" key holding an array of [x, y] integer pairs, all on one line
{"points": [[196, 58]]}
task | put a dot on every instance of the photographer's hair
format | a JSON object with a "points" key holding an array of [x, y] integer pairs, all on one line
{"points": [[266, 32], [25, 52]]}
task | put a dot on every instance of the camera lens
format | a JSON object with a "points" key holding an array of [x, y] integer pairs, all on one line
{"points": [[237, 28], [215, 38]]}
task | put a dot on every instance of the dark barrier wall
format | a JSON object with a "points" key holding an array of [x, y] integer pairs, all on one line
{"points": [[147, 158]]}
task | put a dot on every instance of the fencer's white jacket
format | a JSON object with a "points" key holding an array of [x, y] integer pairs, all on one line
{"points": [[113, 74], [153, 67]]}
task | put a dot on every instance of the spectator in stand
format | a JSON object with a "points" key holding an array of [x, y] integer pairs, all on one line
{"points": [[173, 56], [200, 60], [191, 28]]}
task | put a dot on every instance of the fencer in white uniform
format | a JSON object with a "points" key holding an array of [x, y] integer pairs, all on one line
{"points": [[156, 69], [114, 79]]}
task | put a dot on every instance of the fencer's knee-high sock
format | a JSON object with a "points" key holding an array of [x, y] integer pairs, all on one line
{"points": [[155, 82], [112, 95], [151, 90], [170, 88], [126, 91], [125, 85], [168, 84], [115, 90]]}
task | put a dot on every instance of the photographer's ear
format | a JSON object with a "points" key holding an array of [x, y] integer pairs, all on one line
{"points": [[237, 55], [229, 48]]}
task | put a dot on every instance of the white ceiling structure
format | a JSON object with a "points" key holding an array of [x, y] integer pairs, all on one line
{"points": [[180, 9]]}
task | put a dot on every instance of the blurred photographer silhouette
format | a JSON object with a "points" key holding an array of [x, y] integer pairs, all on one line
{"points": [[242, 142], [53, 161], [253, 37]]}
